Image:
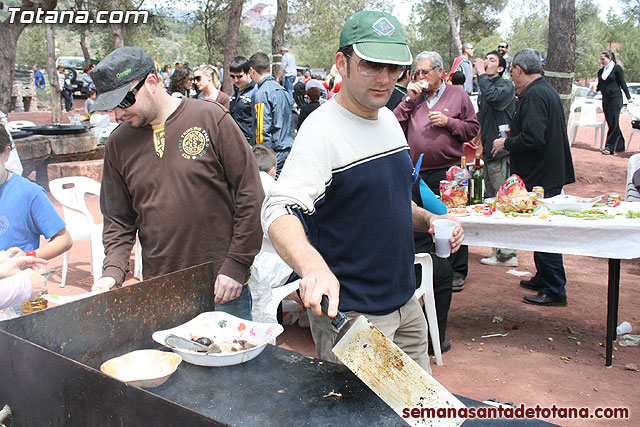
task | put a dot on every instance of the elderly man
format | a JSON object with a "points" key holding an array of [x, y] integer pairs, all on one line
{"points": [[463, 63], [341, 214], [438, 120], [180, 173], [496, 106], [288, 69], [541, 156]]}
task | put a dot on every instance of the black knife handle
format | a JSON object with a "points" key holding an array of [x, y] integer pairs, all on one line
{"points": [[337, 322]]}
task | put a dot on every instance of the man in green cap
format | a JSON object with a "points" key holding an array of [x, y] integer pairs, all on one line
{"points": [[340, 213]]}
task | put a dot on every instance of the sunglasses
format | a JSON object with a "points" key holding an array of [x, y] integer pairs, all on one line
{"points": [[236, 76], [502, 47], [197, 78], [130, 97]]}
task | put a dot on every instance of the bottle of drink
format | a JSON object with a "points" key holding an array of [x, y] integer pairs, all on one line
{"points": [[477, 182], [465, 179], [37, 305]]}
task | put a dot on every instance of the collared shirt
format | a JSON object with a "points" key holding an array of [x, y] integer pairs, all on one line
{"points": [[431, 102]]}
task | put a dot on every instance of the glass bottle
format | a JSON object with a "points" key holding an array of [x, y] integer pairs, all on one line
{"points": [[40, 303], [477, 182]]}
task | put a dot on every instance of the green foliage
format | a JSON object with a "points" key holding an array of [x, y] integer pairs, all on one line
{"points": [[430, 28], [590, 31], [32, 47], [314, 28], [529, 31]]}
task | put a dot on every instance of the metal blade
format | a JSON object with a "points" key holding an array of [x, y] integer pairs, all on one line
{"points": [[396, 378]]}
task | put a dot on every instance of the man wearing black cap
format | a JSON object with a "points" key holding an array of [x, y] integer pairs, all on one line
{"points": [[168, 177], [340, 213]]}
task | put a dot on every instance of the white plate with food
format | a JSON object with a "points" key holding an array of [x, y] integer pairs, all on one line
{"points": [[216, 338], [459, 212], [564, 202]]}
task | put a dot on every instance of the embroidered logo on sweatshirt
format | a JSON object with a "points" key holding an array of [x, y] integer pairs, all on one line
{"points": [[194, 143]]}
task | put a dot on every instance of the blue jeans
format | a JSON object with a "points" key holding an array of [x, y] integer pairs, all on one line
{"points": [[288, 85], [239, 307], [550, 268]]}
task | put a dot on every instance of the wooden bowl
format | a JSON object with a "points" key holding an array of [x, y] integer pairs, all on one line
{"points": [[143, 368]]}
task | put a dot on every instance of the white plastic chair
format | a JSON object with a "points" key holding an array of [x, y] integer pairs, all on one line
{"points": [[588, 118], [635, 114], [17, 124], [631, 193], [425, 290], [70, 192]]}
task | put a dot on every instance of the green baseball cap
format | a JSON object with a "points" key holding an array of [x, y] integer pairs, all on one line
{"points": [[377, 37]]}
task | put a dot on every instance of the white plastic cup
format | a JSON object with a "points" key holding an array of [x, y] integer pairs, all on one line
{"points": [[503, 130], [624, 328], [443, 230]]}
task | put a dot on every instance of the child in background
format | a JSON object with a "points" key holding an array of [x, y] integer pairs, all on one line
{"points": [[88, 104]]}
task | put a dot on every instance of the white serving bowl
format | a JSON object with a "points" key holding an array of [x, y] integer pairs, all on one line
{"points": [[142, 368], [219, 326], [563, 202]]}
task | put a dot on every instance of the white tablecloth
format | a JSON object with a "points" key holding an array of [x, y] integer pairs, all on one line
{"points": [[603, 238]]}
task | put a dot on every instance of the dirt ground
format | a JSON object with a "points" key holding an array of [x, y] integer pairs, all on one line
{"points": [[556, 357]]}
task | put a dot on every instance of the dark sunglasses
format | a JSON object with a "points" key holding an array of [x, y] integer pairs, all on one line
{"points": [[130, 97], [502, 47], [236, 76], [197, 78]]}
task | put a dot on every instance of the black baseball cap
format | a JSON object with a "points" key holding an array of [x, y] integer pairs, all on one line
{"points": [[114, 74]]}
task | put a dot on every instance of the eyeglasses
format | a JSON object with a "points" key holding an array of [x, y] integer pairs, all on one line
{"points": [[197, 78], [424, 72], [502, 47], [236, 76], [374, 69], [130, 97]]}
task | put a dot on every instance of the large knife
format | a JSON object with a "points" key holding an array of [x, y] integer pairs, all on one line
{"points": [[387, 370]]}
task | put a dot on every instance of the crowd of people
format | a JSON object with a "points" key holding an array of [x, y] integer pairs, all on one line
{"points": [[315, 165]]}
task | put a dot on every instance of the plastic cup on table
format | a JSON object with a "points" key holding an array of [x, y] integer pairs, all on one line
{"points": [[443, 230]]}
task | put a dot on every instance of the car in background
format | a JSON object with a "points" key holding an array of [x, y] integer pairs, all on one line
{"points": [[75, 65]]}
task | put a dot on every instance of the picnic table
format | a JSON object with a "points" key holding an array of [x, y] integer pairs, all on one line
{"points": [[616, 238]]}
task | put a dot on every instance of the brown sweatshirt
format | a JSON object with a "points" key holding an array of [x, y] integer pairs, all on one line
{"points": [[191, 189]]}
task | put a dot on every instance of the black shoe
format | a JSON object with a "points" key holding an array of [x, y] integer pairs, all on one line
{"points": [[458, 285], [530, 284], [544, 299], [444, 347]]}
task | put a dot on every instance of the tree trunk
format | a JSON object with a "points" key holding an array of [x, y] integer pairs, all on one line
{"points": [[277, 36], [231, 42], [56, 108], [208, 40], [561, 50], [454, 23], [9, 34], [117, 30], [83, 46]]}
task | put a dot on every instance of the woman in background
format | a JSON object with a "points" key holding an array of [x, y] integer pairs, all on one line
{"points": [[610, 82], [181, 82], [207, 80]]}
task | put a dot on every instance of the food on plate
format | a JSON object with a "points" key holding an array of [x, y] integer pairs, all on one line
{"points": [[513, 196], [458, 212], [207, 345]]}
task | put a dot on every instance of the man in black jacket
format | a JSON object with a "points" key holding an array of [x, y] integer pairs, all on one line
{"points": [[240, 103], [540, 155], [496, 106]]}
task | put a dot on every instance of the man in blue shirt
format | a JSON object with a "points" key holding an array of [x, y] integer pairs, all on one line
{"points": [[38, 79]]}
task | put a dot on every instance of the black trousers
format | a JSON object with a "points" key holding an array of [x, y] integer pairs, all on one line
{"points": [[442, 289], [460, 260], [611, 108], [66, 96]]}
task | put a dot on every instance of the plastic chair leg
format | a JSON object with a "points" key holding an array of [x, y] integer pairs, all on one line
{"points": [[65, 266], [629, 140], [432, 319]]}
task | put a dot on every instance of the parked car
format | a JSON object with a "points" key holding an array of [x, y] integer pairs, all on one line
{"points": [[75, 65]]}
